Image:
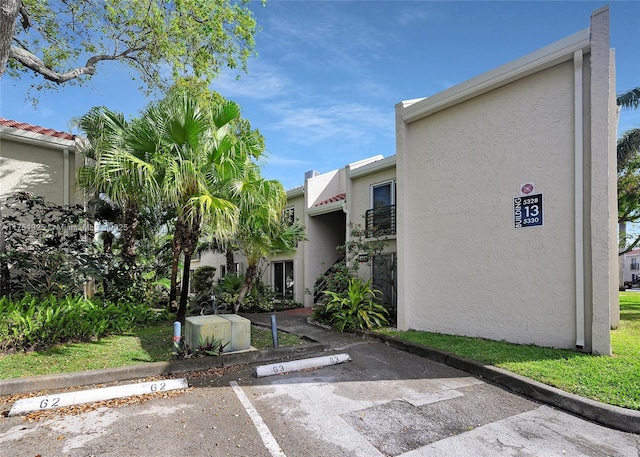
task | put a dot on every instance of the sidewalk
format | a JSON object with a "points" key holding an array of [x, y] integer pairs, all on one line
{"points": [[325, 340]]}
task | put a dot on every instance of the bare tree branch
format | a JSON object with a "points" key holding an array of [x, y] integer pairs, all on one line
{"points": [[34, 63]]}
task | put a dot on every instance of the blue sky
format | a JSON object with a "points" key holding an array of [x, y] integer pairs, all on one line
{"points": [[328, 74]]}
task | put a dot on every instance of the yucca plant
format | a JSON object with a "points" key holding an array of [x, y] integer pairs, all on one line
{"points": [[355, 308]]}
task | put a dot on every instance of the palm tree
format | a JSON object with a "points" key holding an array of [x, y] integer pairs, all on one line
{"points": [[262, 232], [628, 147], [629, 99], [200, 158], [125, 175]]}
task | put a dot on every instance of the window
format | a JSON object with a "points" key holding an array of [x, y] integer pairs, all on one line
{"points": [[381, 218], [223, 270], [289, 216], [283, 278]]}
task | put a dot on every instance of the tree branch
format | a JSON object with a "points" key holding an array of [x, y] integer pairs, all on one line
{"points": [[34, 63], [631, 247], [26, 20]]}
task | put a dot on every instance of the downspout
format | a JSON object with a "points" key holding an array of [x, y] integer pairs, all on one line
{"points": [[579, 198], [65, 178]]}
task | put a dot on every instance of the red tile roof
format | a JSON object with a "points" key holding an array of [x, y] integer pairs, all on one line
{"points": [[36, 129], [337, 198]]}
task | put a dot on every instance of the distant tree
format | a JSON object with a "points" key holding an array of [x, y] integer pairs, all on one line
{"points": [[628, 158], [65, 41], [262, 231]]}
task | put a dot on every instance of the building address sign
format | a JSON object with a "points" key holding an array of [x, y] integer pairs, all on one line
{"points": [[527, 211]]}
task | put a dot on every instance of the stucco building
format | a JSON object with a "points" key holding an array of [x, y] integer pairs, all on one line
{"points": [[39, 160], [517, 176]]}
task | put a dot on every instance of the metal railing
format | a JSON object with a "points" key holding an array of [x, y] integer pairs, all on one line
{"points": [[380, 221]]}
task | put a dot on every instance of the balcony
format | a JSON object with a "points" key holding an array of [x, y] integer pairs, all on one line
{"points": [[381, 221]]}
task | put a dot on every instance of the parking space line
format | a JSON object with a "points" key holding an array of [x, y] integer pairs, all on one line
{"points": [[267, 438]]}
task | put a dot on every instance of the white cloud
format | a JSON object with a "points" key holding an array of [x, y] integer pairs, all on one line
{"points": [[262, 82], [344, 122]]}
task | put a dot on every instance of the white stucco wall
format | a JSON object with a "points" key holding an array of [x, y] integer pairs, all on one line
{"points": [[297, 203], [325, 186], [459, 169], [28, 167], [474, 157]]}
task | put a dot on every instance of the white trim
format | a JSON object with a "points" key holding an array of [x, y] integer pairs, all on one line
{"points": [[380, 165], [579, 197], [65, 179], [295, 192], [391, 182], [25, 136], [558, 52], [326, 208]]}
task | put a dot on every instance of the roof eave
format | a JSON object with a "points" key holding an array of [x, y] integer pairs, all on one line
{"points": [[326, 208], [39, 139], [558, 52]]}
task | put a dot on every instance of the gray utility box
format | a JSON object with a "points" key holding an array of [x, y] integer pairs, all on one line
{"points": [[231, 329]]}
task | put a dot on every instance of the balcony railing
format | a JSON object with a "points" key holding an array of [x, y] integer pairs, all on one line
{"points": [[381, 221]]}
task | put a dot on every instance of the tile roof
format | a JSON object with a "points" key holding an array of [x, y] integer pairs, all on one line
{"points": [[337, 198], [36, 129]]}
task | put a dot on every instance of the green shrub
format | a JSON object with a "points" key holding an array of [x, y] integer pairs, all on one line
{"points": [[33, 323], [355, 308]]}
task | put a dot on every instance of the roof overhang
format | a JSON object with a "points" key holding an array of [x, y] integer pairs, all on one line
{"points": [[373, 167], [554, 54], [295, 192], [326, 208], [38, 139]]}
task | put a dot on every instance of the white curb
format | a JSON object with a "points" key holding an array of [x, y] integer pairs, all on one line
{"points": [[53, 401], [297, 365]]}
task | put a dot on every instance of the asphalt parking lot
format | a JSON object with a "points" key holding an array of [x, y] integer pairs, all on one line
{"points": [[384, 402]]}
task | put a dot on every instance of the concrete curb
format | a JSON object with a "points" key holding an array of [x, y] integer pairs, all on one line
{"points": [[626, 420], [144, 370]]}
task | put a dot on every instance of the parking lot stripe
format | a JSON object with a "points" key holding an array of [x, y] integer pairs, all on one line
{"points": [[267, 438]]}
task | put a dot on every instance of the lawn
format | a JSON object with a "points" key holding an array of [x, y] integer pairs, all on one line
{"points": [[150, 344], [614, 380]]}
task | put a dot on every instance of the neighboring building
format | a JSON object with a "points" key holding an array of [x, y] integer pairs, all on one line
{"points": [[514, 174], [38, 160], [327, 205], [630, 263]]}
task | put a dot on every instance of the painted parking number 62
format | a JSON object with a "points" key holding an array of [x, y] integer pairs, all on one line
{"points": [[158, 387], [44, 404]]}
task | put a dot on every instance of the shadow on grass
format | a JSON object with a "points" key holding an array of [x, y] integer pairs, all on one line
{"points": [[157, 341]]}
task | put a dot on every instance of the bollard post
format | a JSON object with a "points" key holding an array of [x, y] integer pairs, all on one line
{"points": [[274, 331], [177, 332]]}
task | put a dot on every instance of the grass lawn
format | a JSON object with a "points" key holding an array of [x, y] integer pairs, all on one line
{"points": [[150, 344], [614, 380]]}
